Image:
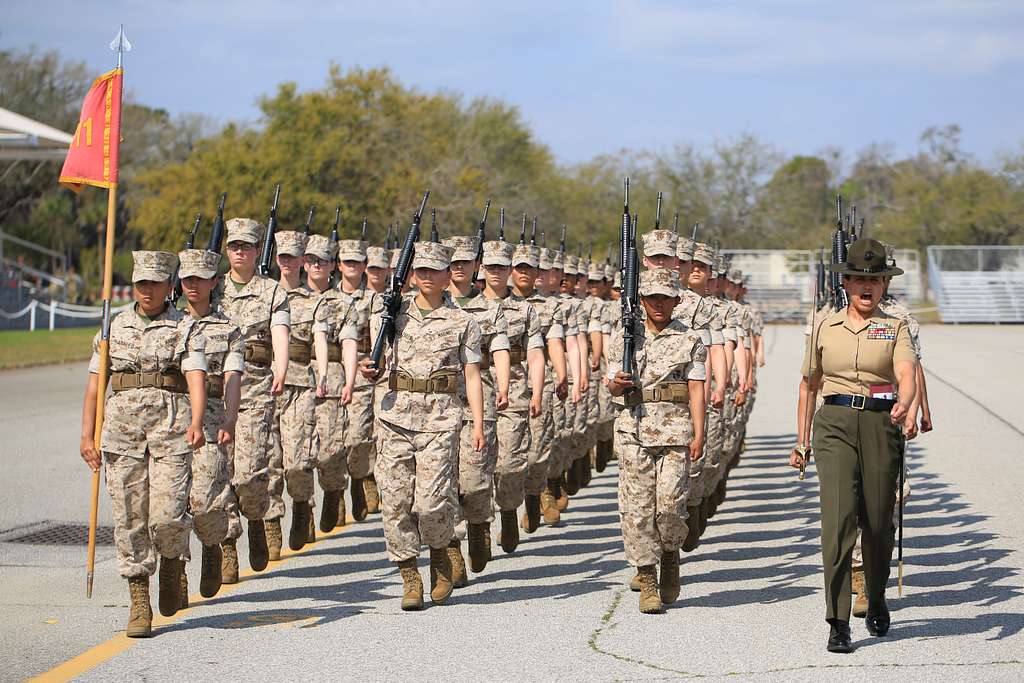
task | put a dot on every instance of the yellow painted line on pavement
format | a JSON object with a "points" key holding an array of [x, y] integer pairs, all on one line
{"points": [[109, 649]]}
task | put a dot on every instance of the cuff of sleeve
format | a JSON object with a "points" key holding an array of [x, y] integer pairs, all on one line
{"points": [[321, 326], [94, 363], [698, 371], [281, 318], [500, 343], [536, 341], [193, 360], [234, 362], [556, 332]]}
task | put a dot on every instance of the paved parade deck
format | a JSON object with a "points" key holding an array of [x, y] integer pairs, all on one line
{"points": [[559, 609]]}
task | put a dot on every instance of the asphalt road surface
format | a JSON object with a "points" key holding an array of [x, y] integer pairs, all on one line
{"points": [[559, 607]]}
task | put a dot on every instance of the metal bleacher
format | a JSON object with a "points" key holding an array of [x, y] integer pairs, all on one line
{"points": [[978, 284]]}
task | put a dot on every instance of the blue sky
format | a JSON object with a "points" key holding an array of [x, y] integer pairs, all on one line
{"points": [[590, 77]]}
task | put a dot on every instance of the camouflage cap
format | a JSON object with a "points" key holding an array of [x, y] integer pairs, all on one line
{"points": [[432, 255], [526, 253], [321, 247], [378, 257], [684, 249], [596, 272], [659, 281], [557, 260], [352, 250], [198, 263], [719, 267], [466, 248], [704, 253], [571, 265], [290, 243], [660, 242], [244, 230], [155, 266], [545, 258], [395, 255], [735, 276], [609, 272], [498, 253]]}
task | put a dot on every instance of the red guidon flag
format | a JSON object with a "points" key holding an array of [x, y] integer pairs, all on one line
{"points": [[92, 157]]}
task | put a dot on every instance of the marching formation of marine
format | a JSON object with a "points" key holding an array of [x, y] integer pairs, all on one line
{"points": [[446, 384]]}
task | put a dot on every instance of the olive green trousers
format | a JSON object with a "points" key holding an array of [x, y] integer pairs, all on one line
{"points": [[857, 453]]}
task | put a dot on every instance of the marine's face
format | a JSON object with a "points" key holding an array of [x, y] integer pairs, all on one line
{"points": [[241, 256], [580, 289], [462, 271], [524, 276], [431, 281], [377, 277], [352, 270], [568, 284], [661, 261], [697, 275], [659, 307], [151, 295], [197, 289], [863, 292], [595, 288], [319, 270], [497, 276], [289, 265]]}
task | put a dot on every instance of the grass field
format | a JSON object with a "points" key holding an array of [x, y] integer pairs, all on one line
{"points": [[21, 348]]}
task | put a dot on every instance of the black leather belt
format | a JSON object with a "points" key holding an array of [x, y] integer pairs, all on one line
{"points": [[860, 402]]}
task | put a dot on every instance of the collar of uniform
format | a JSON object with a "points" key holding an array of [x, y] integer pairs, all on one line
{"points": [[250, 288], [477, 303], [170, 315], [215, 315], [674, 327], [413, 309], [358, 293]]}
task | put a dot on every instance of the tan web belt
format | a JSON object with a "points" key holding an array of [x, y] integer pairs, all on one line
{"points": [[334, 353], [215, 386], [672, 392], [299, 353], [168, 381], [437, 383], [258, 352]]}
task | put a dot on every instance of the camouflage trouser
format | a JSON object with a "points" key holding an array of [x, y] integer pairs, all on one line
{"points": [[250, 463], [538, 458], [593, 409], [329, 445], [150, 508], [606, 413], [416, 474], [294, 458], [513, 457], [578, 436], [360, 413], [211, 498], [712, 449], [559, 414], [472, 499], [653, 485]]}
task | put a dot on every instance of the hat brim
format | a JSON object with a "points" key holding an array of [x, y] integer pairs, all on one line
{"points": [[525, 262], [493, 261], [658, 289], [149, 275], [844, 269], [205, 274]]}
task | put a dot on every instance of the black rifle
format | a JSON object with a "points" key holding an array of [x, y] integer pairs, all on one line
{"points": [[309, 221], [839, 300], [675, 223], [362, 231], [391, 300], [630, 297], [267, 255], [522, 231], [335, 238], [624, 228], [434, 236], [217, 234], [387, 238], [481, 235], [533, 233], [657, 213], [189, 244], [821, 295], [696, 227], [501, 225]]}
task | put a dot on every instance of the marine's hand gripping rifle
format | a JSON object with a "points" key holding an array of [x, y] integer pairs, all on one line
{"points": [[391, 300]]}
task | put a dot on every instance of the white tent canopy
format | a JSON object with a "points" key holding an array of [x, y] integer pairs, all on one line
{"points": [[21, 138]]}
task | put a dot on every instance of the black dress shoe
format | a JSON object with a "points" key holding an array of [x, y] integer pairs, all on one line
{"points": [[877, 620], [839, 637]]}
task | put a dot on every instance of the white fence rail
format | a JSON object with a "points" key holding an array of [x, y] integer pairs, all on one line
{"points": [[978, 284], [51, 311]]}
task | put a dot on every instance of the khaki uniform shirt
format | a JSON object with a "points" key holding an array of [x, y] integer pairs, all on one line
{"points": [[256, 307], [493, 337], [147, 418], [336, 316], [524, 333], [676, 354], [852, 359], [443, 340]]}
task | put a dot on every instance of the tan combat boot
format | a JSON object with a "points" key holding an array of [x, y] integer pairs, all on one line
{"points": [[650, 601], [412, 585], [298, 534], [440, 576], [531, 518], [329, 512], [509, 531], [634, 583], [259, 553], [372, 495], [274, 538], [169, 598], [140, 613], [549, 507], [229, 561], [669, 584], [562, 497], [357, 489], [479, 547], [210, 574], [459, 577], [860, 604]]}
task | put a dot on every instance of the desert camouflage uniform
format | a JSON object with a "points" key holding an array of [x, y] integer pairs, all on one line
{"points": [[359, 440], [734, 331], [563, 451], [255, 308], [335, 317], [147, 462], [294, 426], [211, 499], [418, 433], [606, 414], [541, 459], [653, 443], [514, 434], [594, 310]]}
